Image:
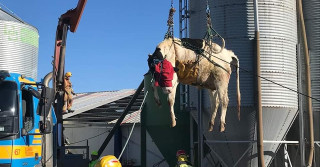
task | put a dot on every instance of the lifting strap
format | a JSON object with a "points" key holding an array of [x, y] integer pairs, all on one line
{"points": [[211, 33]]}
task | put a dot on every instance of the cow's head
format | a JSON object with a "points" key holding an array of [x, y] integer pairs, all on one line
{"points": [[165, 50], [161, 64]]}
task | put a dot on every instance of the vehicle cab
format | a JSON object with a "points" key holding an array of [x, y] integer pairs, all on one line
{"points": [[20, 137]]}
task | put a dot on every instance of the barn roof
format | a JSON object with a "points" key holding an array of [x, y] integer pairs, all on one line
{"points": [[102, 109]]}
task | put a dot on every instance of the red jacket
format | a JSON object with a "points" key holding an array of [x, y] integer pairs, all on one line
{"points": [[163, 74]]}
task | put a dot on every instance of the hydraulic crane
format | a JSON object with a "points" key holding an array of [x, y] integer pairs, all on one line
{"points": [[67, 21]]}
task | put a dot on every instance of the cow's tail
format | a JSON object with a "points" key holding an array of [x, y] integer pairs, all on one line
{"points": [[236, 64]]}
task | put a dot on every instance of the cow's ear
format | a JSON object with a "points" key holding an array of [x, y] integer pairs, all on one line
{"points": [[157, 54]]}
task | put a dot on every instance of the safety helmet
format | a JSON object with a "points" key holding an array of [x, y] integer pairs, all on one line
{"points": [[94, 153], [109, 161], [68, 74], [180, 152]]}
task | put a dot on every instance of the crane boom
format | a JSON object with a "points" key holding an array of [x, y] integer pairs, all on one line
{"points": [[73, 16], [69, 20]]}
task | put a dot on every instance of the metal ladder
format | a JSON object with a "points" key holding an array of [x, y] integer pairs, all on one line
{"points": [[183, 33]]}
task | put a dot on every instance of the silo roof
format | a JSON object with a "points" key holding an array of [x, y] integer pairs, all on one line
{"points": [[7, 15]]}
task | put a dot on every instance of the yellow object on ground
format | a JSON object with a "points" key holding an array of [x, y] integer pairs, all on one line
{"points": [[108, 161]]}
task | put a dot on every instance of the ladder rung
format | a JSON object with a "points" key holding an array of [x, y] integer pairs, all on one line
{"points": [[183, 29]]}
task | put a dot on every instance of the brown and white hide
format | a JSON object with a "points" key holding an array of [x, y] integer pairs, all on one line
{"points": [[202, 67]]}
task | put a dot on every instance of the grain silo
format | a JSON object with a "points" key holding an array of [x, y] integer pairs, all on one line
{"points": [[312, 21], [234, 20], [311, 11], [19, 44]]}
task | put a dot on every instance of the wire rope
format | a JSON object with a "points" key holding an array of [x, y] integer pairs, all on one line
{"points": [[125, 145]]}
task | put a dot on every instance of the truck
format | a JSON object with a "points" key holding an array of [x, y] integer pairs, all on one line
{"points": [[31, 125], [21, 134]]}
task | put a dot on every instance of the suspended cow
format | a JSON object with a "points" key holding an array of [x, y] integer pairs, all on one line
{"points": [[194, 62]]}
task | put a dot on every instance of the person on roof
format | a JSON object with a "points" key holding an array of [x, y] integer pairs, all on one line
{"points": [[182, 159], [68, 92], [94, 159]]}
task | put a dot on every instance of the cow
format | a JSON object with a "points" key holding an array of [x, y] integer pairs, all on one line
{"points": [[199, 63]]}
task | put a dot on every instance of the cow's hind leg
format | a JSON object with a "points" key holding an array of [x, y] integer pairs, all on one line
{"points": [[224, 100], [214, 101]]}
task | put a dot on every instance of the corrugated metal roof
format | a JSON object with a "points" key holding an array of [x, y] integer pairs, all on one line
{"points": [[129, 119], [102, 108], [87, 101]]}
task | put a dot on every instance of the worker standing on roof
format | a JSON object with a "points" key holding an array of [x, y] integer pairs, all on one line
{"points": [[68, 92]]}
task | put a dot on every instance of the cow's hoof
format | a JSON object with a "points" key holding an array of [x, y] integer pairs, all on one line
{"points": [[158, 102], [210, 128], [173, 124], [222, 127]]}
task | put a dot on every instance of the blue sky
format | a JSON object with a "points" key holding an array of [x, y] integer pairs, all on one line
{"points": [[110, 47]]}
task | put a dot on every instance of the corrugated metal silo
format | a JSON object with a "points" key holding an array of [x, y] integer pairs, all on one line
{"points": [[234, 20], [19, 44], [311, 10]]}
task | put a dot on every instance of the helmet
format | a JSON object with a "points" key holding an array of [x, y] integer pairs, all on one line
{"points": [[109, 161], [94, 153], [68, 74], [180, 152]]}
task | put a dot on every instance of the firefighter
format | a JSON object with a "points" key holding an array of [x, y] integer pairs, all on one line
{"points": [[108, 161], [68, 92], [182, 159], [94, 159]]}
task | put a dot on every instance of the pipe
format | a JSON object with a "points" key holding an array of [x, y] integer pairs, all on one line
{"points": [[308, 80], [47, 79], [258, 90], [259, 105], [62, 55], [46, 140], [143, 140], [200, 130], [301, 121]]}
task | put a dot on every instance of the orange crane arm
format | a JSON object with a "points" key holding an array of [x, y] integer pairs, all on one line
{"points": [[73, 16], [69, 19]]}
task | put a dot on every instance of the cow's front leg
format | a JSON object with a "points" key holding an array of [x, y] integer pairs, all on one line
{"points": [[156, 95], [171, 100], [214, 101]]}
